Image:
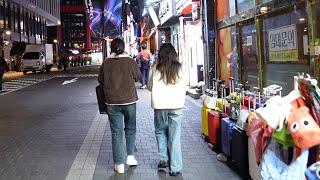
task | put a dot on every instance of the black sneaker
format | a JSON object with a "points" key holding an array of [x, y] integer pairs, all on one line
{"points": [[163, 164], [174, 173]]}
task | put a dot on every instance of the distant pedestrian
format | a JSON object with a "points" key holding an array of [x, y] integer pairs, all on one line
{"points": [[144, 60], [118, 74], [3, 67], [64, 61], [168, 89]]}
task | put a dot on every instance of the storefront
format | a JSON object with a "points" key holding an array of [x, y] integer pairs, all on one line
{"points": [[189, 40], [268, 43]]}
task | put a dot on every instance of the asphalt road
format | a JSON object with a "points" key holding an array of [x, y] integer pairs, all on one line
{"points": [[43, 125]]}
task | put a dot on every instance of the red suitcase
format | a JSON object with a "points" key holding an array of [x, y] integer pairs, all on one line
{"points": [[214, 119]]}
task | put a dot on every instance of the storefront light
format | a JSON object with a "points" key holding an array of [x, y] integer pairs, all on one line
{"points": [[302, 19], [264, 9], [8, 32]]}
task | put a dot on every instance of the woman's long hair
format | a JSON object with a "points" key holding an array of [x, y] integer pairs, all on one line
{"points": [[168, 64]]}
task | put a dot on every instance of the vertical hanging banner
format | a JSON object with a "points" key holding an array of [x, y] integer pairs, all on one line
{"points": [[283, 44], [112, 19], [94, 14]]}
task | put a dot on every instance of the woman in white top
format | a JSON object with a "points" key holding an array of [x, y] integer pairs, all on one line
{"points": [[168, 92]]}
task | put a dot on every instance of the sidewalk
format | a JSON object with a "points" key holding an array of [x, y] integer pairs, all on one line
{"points": [[15, 74], [199, 162]]}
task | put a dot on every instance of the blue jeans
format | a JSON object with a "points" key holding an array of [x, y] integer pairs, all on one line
{"points": [[145, 75], [116, 114], [167, 123]]}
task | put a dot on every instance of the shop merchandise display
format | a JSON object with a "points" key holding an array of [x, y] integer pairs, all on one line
{"points": [[273, 138]]}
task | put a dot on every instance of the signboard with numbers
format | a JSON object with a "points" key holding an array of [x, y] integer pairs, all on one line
{"points": [[283, 44]]}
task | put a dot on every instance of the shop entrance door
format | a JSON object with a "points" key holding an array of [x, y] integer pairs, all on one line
{"points": [[249, 60]]}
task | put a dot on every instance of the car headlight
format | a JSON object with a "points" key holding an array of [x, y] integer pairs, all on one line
{"points": [[38, 63]]}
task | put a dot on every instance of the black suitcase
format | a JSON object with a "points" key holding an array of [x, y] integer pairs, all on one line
{"points": [[240, 152], [101, 100]]}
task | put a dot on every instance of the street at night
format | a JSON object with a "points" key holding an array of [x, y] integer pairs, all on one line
{"points": [[53, 131]]}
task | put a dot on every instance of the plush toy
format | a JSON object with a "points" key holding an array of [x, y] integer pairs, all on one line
{"points": [[274, 112], [277, 109], [304, 130]]}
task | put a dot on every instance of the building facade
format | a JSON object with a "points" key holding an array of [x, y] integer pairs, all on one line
{"points": [[74, 32], [264, 42], [26, 21]]}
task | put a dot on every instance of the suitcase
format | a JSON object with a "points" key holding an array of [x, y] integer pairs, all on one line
{"points": [[226, 135], [214, 119], [254, 169], [240, 151], [204, 123], [246, 100]]}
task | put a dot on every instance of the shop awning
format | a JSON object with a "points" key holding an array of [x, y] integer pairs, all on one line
{"points": [[171, 21], [187, 7]]}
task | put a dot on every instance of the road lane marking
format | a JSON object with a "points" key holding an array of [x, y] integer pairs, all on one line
{"points": [[70, 81], [83, 167]]}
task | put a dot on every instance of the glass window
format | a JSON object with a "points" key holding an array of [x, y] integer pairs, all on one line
{"points": [[1, 14], [264, 1], [249, 59], [286, 46], [244, 5], [31, 55], [225, 9], [228, 55]]}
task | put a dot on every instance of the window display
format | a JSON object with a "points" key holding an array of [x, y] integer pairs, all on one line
{"points": [[228, 55], [244, 5], [286, 46], [225, 9], [249, 55]]}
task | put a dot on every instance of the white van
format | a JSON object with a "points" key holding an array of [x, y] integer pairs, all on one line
{"points": [[37, 57]]}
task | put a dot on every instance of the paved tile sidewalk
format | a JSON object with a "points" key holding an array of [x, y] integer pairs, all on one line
{"points": [[199, 162]]}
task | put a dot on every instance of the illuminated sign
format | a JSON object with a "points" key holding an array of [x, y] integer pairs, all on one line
{"points": [[167, 10], [104, 18], [94, 13], [283, 44], [112, 18], [153, 16]]}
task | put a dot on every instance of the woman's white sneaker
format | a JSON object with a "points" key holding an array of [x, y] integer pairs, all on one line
{"points": [[131, 161], [119, 168]]}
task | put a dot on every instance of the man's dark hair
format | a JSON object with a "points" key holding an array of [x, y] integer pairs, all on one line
{"points": [[117, 46]]}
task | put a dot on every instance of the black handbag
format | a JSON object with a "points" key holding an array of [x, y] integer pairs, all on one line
{"points": [[101, 100]]}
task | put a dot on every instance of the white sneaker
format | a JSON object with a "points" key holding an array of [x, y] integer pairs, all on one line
{"points": [[131, 161], [119, 168], [222, 157]]}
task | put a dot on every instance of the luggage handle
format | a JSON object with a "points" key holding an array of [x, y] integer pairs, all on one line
{"points": [[256, 90], [214, 82], [241, 94], [238, 91], [231, 84], [223, 94]]}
